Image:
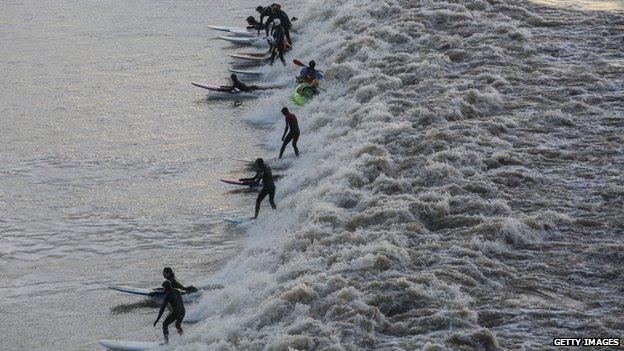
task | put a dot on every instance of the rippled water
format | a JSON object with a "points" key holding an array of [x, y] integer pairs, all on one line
{"points": [[110, 161]]}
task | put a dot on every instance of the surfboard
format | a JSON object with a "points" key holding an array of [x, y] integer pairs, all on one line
{"points": [[239, 40], [256, 53], [237, 182], [137, 291], [244, 33], [123, 345], [229, 29], [245, 72], [248, 57], [210, 87], [233, 220]]}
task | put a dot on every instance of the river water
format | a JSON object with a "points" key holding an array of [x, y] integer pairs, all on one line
{"points": [[110, 162]]}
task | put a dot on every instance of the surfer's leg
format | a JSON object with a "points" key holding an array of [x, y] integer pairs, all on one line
{"points": [[272, 198], [287, 33], [261, 196], [286, 141], [178, 324], [170, 319], [294, 144], [281, 57]]}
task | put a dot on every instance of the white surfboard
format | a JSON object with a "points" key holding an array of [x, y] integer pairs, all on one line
{"points": [[123, 345], [249, 57], [230, 29], [246, 72], [241, 40]]}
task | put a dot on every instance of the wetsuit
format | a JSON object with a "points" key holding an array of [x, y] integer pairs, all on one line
{"points": [[285, 22], [267, 11], [292, 128], [278, 46], [237, 84], [173, 298], [265, 175]]}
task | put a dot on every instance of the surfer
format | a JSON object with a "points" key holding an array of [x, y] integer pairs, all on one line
{"points": [[278, 42], [278, 14], [173, 298], [309, 73], [237, 84], [265, 11], [292, 128], [252, 23], [264, 175], [170, 276]]}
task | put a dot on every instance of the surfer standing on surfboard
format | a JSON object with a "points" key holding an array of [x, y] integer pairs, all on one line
{"points": [[173, 298], [264, 174]]}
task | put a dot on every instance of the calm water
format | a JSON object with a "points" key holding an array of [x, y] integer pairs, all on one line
{"points": [[109, 162]]}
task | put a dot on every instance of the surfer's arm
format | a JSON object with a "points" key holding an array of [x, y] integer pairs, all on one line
{"points": [[162, 310], [285, 131]]}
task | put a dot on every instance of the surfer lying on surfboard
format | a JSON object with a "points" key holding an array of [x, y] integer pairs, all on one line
{"points": [[264, 175], [173, 298], [240, 86]]}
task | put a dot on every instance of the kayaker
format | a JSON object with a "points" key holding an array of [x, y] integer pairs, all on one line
{"points": [[309, 73]]}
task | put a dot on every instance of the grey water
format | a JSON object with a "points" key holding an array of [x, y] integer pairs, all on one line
{"points": [[109, 162]]}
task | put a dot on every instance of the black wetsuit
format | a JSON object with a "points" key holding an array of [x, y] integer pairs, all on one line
{"points": [[285, 22], [292, 127], [237, 84], [267, 11], [278, 46], [265, 175], [173, 298]]}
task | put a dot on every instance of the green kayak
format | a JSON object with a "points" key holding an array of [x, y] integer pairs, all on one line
{"points": [[302, 94]]}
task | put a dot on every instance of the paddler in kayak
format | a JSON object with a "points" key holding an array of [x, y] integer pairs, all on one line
{"points": [[170, 276], [238, 85], [264, 175], [292, 128], [309, 73], [173, 298], [278, 42]]}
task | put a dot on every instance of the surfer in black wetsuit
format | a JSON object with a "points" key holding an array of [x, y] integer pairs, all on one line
{"points": [[238, 85], [264, 175], [253, 24], [265, 11], [278, 13], [292, 128], [173, 298], [278, 42], [170, 276]]}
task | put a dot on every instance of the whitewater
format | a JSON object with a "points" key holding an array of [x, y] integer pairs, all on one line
{"points": [[460, 186]]}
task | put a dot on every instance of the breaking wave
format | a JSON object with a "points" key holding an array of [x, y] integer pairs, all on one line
{"points": [[460, 186]]}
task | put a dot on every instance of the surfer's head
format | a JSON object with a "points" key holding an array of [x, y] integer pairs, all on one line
{"points": [[260, 9], [234, 77], [277, 22], [312, 64], [168, 272], [251, 20], [259, 162], [285, 110], [167, 285]]}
